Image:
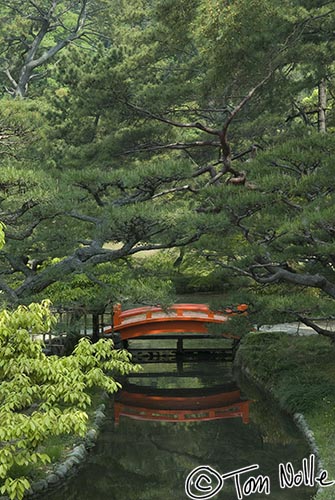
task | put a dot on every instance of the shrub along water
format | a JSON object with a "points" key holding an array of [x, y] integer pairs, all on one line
{"points": [[42, 396]]}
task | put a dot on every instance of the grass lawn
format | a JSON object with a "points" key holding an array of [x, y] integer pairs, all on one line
{"points": [[300, 373]]}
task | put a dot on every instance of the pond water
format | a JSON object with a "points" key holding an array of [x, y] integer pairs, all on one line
{"points": [[146, 456]]}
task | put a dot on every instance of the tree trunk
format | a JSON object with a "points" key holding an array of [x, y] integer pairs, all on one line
{"points": [[95, 327], [322, 106]]}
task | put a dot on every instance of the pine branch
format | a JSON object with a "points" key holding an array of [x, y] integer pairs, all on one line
{"points": [[277, 274], [12, 217], [162, 119], [10, 77], [10, 292], [321, 331], [241, 105], [179, 189], [84, 218], [172, 146]]}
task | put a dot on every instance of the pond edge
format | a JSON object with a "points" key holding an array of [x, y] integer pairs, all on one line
{"points": [[298, 418], [75, 457]]}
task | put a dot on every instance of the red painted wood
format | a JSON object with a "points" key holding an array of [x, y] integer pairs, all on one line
{"points": [[179, 318], [178, 402], [187, 405], [237, 409]]}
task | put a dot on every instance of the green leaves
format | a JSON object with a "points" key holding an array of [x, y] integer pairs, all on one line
{"points": [[44, 396], [15, 488]]}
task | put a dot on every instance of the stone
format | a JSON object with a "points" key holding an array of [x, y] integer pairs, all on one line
{"points": [[78, 452], [40, 485], [92, 435], [52, 479], [62, 471], [69, 463], [76, 460], [99, 415]]}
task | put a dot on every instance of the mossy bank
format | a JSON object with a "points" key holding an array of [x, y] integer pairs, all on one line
{"points": [[299, 372]]}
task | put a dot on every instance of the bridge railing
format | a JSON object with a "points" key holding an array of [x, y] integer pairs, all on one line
{"points": [[178, 310]]}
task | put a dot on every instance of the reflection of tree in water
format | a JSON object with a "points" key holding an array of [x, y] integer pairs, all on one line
{"points": [[264, 413], [187, 375], [270, 431], [150, 460]]}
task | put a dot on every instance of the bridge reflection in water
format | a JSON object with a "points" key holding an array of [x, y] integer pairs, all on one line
{"points": [[180, 404], [146, 458]]}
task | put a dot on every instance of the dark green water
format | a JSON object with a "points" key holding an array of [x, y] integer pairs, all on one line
{"points": [[150, 460]]}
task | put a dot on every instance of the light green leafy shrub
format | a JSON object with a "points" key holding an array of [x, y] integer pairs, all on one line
{"points": [[43, 396]]}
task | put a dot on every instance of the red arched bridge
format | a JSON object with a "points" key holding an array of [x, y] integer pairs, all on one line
{"points": [[180, 405], [177, 319]]}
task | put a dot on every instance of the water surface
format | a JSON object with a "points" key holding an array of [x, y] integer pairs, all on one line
{"points": [[151, 459]]}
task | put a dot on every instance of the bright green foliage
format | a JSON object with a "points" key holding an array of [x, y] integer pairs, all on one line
{"points": [[111, 283], [42, 396], [2, 235]]}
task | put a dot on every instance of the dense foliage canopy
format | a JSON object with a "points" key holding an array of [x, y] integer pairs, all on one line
{"points": [[200, 126], [153, 125]]}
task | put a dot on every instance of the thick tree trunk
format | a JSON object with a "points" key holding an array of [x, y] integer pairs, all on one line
{"points": [[21, 90], [322, 106]]}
